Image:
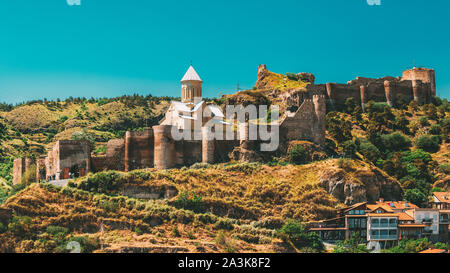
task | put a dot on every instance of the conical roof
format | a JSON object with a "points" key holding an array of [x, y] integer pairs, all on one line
{"points": [[191, 75]]}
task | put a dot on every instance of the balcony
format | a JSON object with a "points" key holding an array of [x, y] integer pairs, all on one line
{"points": [[427, 232], [444, 221], [383, 237], [427, 221], [384, 225]]}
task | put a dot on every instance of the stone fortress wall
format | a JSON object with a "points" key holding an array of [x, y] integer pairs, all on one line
{"points": [[155, 147]]}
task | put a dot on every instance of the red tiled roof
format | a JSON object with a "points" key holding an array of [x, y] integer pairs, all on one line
{"points": [[431, 250], [443, 197], [398, 204], [405, 217], [373, 208]]}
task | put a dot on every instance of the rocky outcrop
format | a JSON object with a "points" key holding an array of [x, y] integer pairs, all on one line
{"points": [[367, 184], [307, 77], [162, 192]]}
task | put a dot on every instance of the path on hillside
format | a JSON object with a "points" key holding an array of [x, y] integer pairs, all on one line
{"points": [[60, 183]]}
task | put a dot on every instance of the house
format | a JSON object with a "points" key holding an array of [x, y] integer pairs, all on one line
{"points": [[408, 228], [441, 200], [397, 206], [430, 218]]}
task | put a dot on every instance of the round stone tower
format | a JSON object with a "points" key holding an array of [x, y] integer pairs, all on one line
{"points": [[164, 147], [191, 86]]}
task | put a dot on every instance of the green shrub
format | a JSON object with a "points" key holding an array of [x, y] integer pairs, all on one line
{"points": [[424, 121], [225, 224], [222, 239], [298, 155], [3, 228], [205, 218], [368, 150], [294, 233], [20, 225], [445, 168], [395, 142], [188, 201], [435, 129], [415, 196], [345, 163], [428, 143], [349, 149], [56, 230], [245, 167]]}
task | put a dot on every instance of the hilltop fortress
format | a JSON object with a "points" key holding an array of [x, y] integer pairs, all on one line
{"points": [[416, 84], [157, 147]]}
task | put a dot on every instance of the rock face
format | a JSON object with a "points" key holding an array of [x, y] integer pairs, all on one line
{"points": [[307, 77], [364, 185], [244, 155], [166, 192]]}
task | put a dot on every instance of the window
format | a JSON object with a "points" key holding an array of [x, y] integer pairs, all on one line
{"points": [[393, 232], [375, 221]]}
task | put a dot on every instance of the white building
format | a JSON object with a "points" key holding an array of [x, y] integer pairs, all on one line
{"points": [[192, 112], [429, 217]]}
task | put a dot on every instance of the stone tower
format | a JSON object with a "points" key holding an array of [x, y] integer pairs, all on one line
{"points": [[191, 86], [320, 110], [422, 74]]}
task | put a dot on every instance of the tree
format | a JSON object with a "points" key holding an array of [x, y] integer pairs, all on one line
{"points": [[368, 150], [298, 155], [401, 123], [338, 127], [294, 233], [431, 111], [415, 196], [428, 143], [435, 129], [350, 105], [84, 135], [349, 149], [395, 142], [353, 245]]}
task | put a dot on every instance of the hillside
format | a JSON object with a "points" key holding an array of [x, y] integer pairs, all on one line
{"points": [[395, 153], [221, 208]]}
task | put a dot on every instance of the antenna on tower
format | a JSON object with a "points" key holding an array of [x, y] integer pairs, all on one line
{"points": [[238, 88], [415, 64]]}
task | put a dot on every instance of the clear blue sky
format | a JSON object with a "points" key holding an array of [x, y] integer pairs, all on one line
{"points": [[49, 49]]}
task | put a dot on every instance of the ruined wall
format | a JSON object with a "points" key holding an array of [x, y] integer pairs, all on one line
{"points": [[99, 163], [115, 154], [41, 173], [299, 125], [69, 156], [164, 147], [416, 84], [20, 166], [139, 150], [18, 170], [190, 152]]}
